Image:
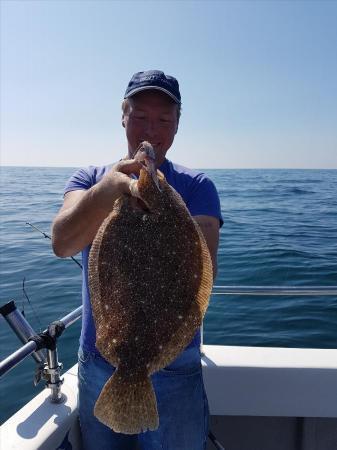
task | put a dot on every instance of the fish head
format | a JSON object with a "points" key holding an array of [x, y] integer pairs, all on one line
{"points": [[150, 182], [146, 155]]}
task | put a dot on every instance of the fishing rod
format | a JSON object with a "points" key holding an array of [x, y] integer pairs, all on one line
{"points": [[48, 237], [37, 318], [215, 442]]}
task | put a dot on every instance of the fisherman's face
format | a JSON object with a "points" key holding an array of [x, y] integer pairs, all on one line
{"points": [[151, 116]]}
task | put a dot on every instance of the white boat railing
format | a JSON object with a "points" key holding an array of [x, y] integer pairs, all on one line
{"points": [[275, 290]]}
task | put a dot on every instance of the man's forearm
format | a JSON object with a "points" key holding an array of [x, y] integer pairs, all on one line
{"points": [[76, 226], [210, 229], [82, 213]]}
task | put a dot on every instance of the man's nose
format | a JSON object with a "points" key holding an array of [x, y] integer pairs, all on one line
{"points": [[150, 129]]}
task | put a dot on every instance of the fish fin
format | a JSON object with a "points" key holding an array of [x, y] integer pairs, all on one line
{"points": [[127, 406], [206, 284]]}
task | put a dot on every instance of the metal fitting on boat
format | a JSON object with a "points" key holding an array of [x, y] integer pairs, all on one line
{"points": [[51, 372], [21, 328], [54, 382]]}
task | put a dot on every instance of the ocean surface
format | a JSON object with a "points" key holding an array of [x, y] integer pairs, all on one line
{"points": [[280, 229]]}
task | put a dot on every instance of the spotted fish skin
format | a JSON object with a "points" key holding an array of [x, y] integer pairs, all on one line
{"points": [[150, 278]]}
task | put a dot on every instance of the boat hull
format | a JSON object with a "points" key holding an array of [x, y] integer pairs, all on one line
{"points": [[259, 398]]}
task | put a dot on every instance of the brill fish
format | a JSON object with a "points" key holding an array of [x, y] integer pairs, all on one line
{"points": [[150, 278]]}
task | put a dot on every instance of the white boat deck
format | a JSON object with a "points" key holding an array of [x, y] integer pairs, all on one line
{"points": [[260, 399], [262, 381]]}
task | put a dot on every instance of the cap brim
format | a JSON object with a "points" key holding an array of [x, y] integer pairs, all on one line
{"points": [[145, 88]]}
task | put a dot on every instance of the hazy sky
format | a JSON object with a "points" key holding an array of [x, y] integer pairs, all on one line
{"points": [[258, 80]]}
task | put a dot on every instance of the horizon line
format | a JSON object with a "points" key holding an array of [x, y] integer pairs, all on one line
{"points": [[193, 168]]}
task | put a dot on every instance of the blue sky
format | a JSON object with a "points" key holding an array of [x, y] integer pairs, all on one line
{"points": [[258, 80]]}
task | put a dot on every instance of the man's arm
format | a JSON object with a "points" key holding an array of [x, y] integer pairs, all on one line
{"points": [[210, 228], [83, 211]]}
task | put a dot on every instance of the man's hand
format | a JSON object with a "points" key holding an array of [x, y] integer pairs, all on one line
{"points": [[116, 183], [82, 212]]}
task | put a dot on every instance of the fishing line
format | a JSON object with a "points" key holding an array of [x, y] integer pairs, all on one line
{"points": [[48, 237], [215, 442], [30, 304]]}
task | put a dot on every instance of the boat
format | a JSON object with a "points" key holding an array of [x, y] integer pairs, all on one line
{"points": [[260, 398]]}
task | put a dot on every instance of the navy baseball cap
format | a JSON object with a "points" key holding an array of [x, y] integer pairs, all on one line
{"points": [[153, 79]]}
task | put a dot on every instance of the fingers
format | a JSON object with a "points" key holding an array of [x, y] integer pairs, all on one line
{"points": [[118, 179], [133, 187], [127, 166]]}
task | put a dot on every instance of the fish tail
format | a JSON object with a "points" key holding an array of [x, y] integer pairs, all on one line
{"points": [[128, 406]]}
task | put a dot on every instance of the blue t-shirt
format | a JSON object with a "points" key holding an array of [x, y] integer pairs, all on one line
{"points": [[197, 191]]}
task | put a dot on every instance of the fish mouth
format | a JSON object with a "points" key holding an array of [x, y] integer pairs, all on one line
{"points": [[146, 156]]}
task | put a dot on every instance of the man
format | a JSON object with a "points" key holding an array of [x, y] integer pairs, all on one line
{"points": [[151, 111]]}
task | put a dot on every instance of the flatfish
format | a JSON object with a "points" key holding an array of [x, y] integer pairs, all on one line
{"points": [[150, 278]]}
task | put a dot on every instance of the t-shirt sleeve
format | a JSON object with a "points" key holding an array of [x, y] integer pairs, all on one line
{"points": [[204, 199], [82, 179]]}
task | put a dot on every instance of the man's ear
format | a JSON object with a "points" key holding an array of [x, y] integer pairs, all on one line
{"points": [[123, 121]]}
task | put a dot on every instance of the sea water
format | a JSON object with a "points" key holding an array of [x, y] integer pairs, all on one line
{"points": [[280, 228]]}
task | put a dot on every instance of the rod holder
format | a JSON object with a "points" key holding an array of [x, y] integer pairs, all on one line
{"points": [[52, 373], [21, 328]]}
